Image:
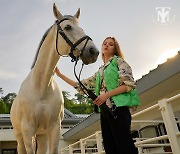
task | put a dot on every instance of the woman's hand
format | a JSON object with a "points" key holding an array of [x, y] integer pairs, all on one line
{"points": [[65, 78], [101, 99]]}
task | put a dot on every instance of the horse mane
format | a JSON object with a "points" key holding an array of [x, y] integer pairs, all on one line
{"points": [[40, 44], [44, 36]]}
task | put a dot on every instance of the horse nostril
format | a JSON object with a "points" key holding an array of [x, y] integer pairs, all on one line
{"points": [[92, 51]]}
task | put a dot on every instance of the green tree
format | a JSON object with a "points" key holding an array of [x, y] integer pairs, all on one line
{"points": [[68, 103], [8, 100], [79, 105], [1, 91], [82, 109], [3, 107], [84, 105], [80, 98]]}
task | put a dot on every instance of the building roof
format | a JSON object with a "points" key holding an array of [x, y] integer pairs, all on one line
{"points": [[69, 118], [168, 72], [159, 74]]}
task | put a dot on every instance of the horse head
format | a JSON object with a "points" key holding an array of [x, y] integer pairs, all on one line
{"points": [[78, 44]]}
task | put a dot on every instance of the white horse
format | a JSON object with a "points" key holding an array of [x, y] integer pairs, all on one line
{"points": [[39, 106]]}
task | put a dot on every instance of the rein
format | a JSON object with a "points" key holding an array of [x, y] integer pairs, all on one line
{"points": [[91, 95], [69, 42]]}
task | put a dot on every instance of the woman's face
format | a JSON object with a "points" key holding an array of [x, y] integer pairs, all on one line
{"points": [[108, 47]]}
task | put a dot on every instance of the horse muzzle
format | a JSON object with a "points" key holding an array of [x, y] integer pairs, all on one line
{"points": [[89, 55]]}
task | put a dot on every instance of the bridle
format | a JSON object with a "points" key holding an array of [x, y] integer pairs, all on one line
{"points": [[69, 42]]}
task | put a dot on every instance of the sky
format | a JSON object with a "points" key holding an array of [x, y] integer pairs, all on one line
{"points": [[134, 23]]}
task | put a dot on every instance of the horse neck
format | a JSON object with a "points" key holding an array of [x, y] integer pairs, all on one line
{"points": [[46, 61]]}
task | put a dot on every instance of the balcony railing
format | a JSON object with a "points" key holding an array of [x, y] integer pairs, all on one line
{"points": [[94, 144]]}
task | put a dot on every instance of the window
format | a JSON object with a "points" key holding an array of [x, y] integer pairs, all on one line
{"points": [[162, 131], [150, 131], [9, 151]]}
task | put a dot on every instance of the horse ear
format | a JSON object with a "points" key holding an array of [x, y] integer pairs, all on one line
{"points": [[77, 14], [57, 14]]}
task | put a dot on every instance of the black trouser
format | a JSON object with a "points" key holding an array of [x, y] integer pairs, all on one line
{"points": [[116, 132]]}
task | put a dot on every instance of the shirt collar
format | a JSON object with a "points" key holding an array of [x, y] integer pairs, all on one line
{"points": [[102, 67], [107, 63]]}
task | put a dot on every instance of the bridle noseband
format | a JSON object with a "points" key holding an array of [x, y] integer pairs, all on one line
{"points": [[69, 42]]}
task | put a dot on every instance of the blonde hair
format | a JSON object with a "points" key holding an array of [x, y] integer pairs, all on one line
{"points": [[118, 51]]}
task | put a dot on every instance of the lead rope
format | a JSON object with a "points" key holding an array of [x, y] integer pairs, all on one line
{"points": [[91, 94]]}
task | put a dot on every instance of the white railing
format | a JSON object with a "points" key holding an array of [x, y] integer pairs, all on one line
{"points": [[173, 134], [91, 144], [165, 106]]}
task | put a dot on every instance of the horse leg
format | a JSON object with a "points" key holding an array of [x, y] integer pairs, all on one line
{"points": [[20, 147], [41, 143], [28, 132], [53, 138]]}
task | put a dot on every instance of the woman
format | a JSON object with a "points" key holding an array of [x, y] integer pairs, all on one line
{"points": [[112, 80]]}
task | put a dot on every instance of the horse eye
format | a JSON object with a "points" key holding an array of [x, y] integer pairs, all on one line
{"points": [[68, 27]]}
